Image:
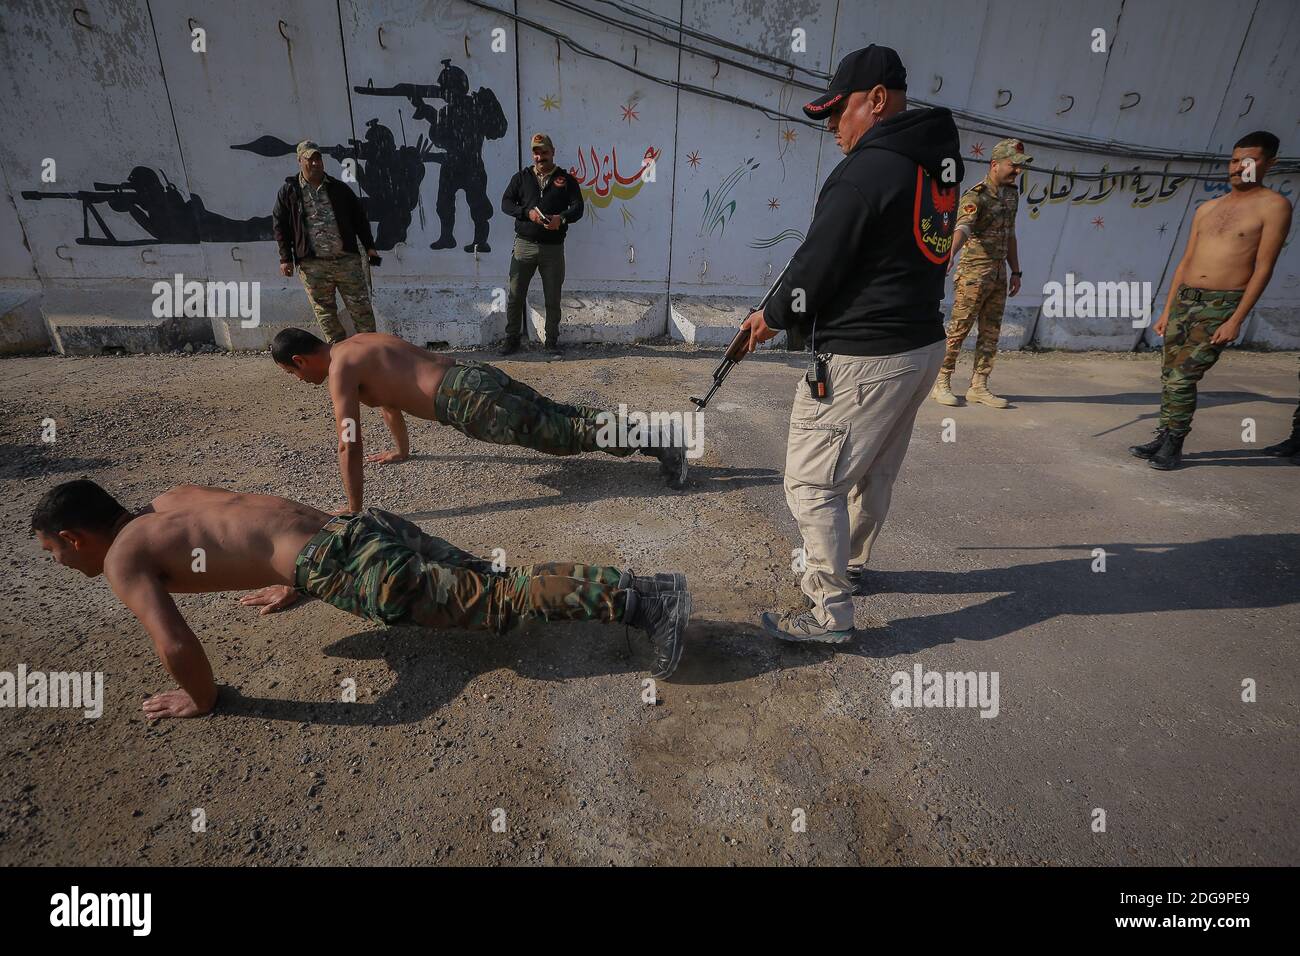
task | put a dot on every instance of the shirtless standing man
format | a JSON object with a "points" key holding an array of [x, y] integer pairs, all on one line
{"points": [[1234, 243], [374, 564], [380, 370]]}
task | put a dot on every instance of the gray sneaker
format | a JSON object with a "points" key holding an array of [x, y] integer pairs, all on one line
{"points": [[804, 629]]}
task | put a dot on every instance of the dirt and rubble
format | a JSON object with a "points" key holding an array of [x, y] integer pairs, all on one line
{"points": [[755, 752]]}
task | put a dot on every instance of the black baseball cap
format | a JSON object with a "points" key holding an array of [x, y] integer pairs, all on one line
{"points": [[861, 70]]}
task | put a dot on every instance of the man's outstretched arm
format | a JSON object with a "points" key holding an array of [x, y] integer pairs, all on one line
{"points": [[181, 654], [397, 425], [347, 420]]}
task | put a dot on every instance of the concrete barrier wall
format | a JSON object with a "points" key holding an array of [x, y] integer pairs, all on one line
{"points": [[693, 204]]}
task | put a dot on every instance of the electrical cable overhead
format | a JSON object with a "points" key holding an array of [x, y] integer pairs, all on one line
{"points": [[968, 120], [974, 121]]}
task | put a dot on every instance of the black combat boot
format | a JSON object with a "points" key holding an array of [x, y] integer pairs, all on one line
{"points": [[1288, 448], [663, 617], [663, 581], [1151, 447], [1170, 455], [510, 346], [670, 448]]}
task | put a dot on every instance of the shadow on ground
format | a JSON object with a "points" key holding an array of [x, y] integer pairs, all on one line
{"points": [[577, 485], [432, 667], [1237, 573]]}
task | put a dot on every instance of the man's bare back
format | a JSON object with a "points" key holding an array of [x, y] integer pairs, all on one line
{"points": [[247, 541], [391, 372], [1226, 234]]}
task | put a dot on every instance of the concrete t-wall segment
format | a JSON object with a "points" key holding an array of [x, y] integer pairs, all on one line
{"points": [[130, 157]]}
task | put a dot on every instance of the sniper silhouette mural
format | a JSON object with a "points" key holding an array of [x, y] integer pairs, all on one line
{"points": [[157, 207]]}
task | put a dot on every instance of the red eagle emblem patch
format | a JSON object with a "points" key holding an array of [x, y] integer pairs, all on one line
{"points": [[932, 217], [559, 180]]}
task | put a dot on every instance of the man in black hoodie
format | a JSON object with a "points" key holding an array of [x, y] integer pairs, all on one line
{"points": [[865, 290]]}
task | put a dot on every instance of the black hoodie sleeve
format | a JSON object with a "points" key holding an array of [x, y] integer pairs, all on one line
{"points": [[512, 199], [840, 228]]}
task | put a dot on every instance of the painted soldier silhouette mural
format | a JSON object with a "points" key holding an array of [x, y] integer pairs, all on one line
{"points": [[160, 209], [459, 129], [389, 175]]}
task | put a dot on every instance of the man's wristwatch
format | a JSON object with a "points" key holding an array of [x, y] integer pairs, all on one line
{"points": [[1017, 273]]}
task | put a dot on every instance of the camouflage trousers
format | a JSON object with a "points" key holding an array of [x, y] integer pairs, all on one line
{"points": [[347, 276], [382, 567], [485, 403], [978, 297], [1193, 319]]}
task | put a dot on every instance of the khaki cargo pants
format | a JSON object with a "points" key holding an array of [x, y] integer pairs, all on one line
{"points": [[842, 457]]}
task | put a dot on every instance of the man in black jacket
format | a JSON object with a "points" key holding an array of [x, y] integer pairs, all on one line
{"points": [[865, 289], [318, 223], [543, 199]]}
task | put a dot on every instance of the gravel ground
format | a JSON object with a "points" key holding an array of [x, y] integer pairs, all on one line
{"points": [[547, 729]]}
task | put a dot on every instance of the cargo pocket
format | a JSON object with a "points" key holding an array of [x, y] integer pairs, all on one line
{"points": [[813, 452]]}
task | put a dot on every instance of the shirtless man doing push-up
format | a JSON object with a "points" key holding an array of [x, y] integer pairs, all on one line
{"points": [[387, 372], [374, 564]]}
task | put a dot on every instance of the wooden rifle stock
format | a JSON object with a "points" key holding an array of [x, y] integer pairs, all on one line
{"points": [[736, 350]]}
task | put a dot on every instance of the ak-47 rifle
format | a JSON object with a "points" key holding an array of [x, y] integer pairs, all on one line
{"points": [[736, 350]]}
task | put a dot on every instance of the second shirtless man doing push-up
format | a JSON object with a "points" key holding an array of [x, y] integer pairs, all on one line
{"points": [[384, 371]]}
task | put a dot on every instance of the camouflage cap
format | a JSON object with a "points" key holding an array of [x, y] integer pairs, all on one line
{"points": [[541, 139], [1012, 149], [306, 147]]}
